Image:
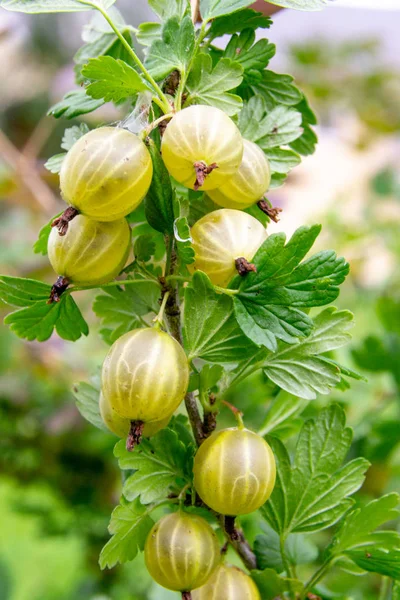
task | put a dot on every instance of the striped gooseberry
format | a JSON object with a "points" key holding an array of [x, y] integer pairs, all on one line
{"points": [[201, 147], [145, 375], [90, 252], [106, 173], [220, 238], [121, 427], [229, 583], [181, 551], [248, 184], [234, 471]]}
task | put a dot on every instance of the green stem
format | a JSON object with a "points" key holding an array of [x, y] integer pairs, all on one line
{"points": [[316, 577], [385, 584], [158, 321], [286, 564], [177, 278], [162, 100], [154, 124], [226, 291], [185, 74], [106, 285]]}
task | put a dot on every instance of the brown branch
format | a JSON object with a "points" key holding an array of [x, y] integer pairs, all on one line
{"points": [[239, 543]]}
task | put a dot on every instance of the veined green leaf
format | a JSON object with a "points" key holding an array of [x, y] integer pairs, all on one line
{"points": [[51, 6], [112, 80]]}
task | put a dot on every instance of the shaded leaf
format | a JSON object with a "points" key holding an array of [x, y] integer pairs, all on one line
{"points": [[87, 402], [159, 200], [74, 104]]}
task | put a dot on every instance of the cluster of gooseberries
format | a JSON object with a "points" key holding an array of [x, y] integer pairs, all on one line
{"points": [[145, 375]]}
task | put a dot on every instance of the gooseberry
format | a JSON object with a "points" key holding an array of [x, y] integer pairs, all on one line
{"points": [[248, 184], [90, 252], [229, 583], [221, 237], [106, 173], [181, 551], [234, 471], [201, 147]]}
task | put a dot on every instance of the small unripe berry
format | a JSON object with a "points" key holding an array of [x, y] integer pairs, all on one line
{"points": [[222, 236], [248, 184], [234, 471], [181, 552], [121, 427], [106, 174], [145, 375], [90, 252], [228, 583], [202, 135]]}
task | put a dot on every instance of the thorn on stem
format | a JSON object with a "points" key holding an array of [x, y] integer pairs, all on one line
{"points": [[135, 435], [243, 266], [202, 170], [57, 289], [63, 220], [269, 210]]}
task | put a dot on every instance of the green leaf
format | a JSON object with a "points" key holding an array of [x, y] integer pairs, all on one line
{"points": [[284, 408], [144, 247], [169, 8], [54, 163], [210, 9], [269, 301], [40, 246], [249, 54], [379, 355], [148, 33], [270, 129], [50, 6], [299, 550], [130, 525], [37, 322], [125, 309], [271, 586], [282, 160], [18, 291], [311, 493], [307, 142], [276, 88], [72, 135], [210, 328], [74, 104], [162, 466], [300, 4], [87, 402], [159, 200], [210, 86], [237, 21], [183, 240], [174, 50], [112, 79], [300, 369]]}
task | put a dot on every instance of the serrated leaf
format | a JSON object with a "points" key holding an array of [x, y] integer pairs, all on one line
{"points": [[282, 160], [210, 86], [312, 492], [18, 291], [299, 549], [250, 54], [306, 143], [54, 163], [112, 79], [276, 88], [125, 309], [38, 321], [159, 200], [272, 586], [51, 6], [270, 129], [130, 525], [174, 50], [268, 303], [210, 328], [183, 240], [160, 464], [284, 408], [74, 104], [169, 8], [87, 402], [40, 246], [237, 21], [210, 9], [72, 135], [144, 247], [148, 33], [300, 4]]}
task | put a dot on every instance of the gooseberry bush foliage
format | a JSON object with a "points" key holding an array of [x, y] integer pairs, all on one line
{"points": [[205, 299]]}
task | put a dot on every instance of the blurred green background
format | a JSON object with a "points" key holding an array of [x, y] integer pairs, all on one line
{"points": [[59, 481]]}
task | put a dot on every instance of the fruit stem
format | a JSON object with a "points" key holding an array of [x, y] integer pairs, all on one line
{"points": [[163, 102], [64, 219], [135, 435], [57, 289], [186, 596], [158, 320], [237, 413], [154, 124]]}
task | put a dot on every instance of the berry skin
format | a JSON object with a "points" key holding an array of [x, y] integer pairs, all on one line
{"points": [[205, 135], [121, 427], [145, 375], [221, 237], [248, 184], [90, 253], [106, 174], [181, 552], [234, 471], [229, 583]]}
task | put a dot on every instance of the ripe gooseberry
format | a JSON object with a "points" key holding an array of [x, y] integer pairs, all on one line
{"points": [[234, 471], [181, 552], [121, 427], [221, 237], [91, 252], [248, 184], [106, 174], [201, 147], [229, 583], [145, 375]]}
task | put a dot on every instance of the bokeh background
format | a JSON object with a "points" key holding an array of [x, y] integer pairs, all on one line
{"points": [[58, 478]]}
